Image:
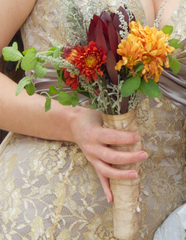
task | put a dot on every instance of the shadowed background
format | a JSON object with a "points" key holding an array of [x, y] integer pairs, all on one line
{"points": [[8, 68]]}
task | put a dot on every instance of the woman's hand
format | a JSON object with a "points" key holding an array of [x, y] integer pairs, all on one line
{"points": [[93, 139]]}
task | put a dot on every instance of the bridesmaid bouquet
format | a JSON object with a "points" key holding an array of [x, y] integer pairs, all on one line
{"points": [[109, 60]]}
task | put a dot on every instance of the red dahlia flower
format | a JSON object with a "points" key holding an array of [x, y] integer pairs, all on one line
{"points": [[88, 60], [104, 31], [71, 79]]}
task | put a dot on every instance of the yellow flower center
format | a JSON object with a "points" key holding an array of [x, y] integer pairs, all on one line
{"points": [[130, 59], [91, 61], [149, 59]]}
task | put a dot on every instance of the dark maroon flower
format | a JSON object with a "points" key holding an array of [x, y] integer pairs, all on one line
{"points": [[104, 31]]}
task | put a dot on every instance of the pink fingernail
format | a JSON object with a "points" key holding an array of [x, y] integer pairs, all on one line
{"points": [[133, 175], [143, 156], [137, 138]]}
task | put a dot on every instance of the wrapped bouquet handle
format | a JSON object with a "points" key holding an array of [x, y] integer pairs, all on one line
{"points": [[126, 193]]}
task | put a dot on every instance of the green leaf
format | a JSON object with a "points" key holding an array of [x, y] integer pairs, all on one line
{"points": [[51, 51], [22, 83], [93, 106], [40, 70], [60, 77], [11, 54], [40, 60], [17, 66], [15, 46], [25, 52], [56, 54], [30, 88], [54, 44], [56, 67], [174, 43], [174, 64], [138, 67], [130, 86], [167, 29], [29, 60], [82, 91], [150, 89], [64, 99], [53, 90], [61, 87], [74, 99], [47, 104]]}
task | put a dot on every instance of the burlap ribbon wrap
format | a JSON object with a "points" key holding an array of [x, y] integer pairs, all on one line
{"points": [[126, 193]]}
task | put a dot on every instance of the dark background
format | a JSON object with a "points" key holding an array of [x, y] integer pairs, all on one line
{"points": [[8, 68]]}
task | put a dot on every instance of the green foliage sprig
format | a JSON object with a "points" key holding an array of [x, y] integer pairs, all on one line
{"points": [[32, 60]]}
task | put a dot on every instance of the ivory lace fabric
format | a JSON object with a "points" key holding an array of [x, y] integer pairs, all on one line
{"points": [[48, 190]]}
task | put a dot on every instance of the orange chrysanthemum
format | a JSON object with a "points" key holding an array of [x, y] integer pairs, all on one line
{"points": [[88, 60], [131, 53], [154, 46]]}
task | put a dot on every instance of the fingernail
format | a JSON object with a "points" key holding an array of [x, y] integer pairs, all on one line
{"points": [[143, 156], [137, 138], [133, 175], [108, 200]]}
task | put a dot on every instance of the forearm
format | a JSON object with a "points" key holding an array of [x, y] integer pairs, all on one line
{"points": [[26, 114]]}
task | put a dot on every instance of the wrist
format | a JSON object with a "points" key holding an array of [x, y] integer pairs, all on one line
{"points": [[76, 118], [65, 121]]}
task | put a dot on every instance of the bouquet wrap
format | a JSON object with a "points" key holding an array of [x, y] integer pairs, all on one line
{"points": [[126, 193]]}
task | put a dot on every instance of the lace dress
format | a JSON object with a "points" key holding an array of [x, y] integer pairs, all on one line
{"points": [[48, 190]]}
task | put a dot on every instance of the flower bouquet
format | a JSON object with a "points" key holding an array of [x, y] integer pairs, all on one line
{"points": [[109, 59]]}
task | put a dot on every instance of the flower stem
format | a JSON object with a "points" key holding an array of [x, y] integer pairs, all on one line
{"points": [[119, 108], [112, 110], [113, 113]]}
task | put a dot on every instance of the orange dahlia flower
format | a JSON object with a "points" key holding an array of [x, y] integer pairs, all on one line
{"points": [[88, 60]]}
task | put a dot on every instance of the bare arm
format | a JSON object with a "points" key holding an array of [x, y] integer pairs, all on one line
{"points": [[12, 16], [24, 114]]}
